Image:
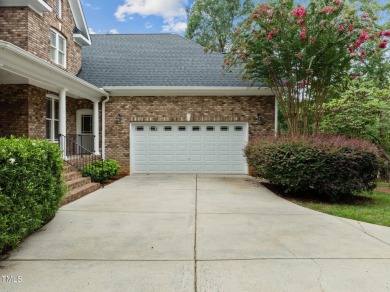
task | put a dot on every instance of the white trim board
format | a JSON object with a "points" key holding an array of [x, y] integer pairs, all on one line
{"points": [[187, 91]]}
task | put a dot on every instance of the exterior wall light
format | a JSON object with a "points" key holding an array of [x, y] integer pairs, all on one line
{"points": [[260, 118], [118, 118]]}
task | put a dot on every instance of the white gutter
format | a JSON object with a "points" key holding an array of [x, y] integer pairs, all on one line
{"points": [[187, 91], [45, 74], [104, 127]]}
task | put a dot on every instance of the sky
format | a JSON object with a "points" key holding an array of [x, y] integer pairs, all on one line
{"points": [[136, 16]]}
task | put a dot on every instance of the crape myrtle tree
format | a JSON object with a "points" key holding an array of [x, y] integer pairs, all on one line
{"points": [[211, 22], [300, 51]]}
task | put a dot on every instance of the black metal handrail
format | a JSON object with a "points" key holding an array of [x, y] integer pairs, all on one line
{"points": [[77, 155]]}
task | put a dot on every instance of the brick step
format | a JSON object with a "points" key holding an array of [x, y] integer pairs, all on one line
{"points": [[78, 182], [68, 176], [69, 168], [80, 192]]}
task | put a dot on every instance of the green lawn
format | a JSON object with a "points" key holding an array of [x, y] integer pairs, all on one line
{"points": [[372, 208]]}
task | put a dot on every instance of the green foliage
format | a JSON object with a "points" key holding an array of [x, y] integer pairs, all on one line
{"points": [[100, 171], [211, 22], [362, 111], [31, 187], [301, 51], [328, 166]]}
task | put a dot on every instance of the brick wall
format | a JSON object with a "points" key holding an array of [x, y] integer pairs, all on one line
{"points": [[14, 99], [30, 31], [13, 25], [174, 109]]}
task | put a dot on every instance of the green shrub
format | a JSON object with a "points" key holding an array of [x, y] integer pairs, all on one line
{"points": [[100, 171], [331, 166], [31, 187]]}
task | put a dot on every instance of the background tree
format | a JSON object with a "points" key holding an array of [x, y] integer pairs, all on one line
{"points": [[362, 111], [211, 22], [301, 51]]}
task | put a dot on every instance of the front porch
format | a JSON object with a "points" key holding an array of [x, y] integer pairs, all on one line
{"points": [[40, 100]]}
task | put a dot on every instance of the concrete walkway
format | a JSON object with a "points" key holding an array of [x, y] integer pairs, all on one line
{"points": [[187, 232]]}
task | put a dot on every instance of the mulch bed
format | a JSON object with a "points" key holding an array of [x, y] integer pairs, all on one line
{"points": [[110, 181]]}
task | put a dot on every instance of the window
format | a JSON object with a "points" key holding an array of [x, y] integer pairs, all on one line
{"points": [[52, 119], [209, 128], [153, 128], [238, 128], [182, 128], [59, 8], [167, 128], [224, 128], [195, 128], [140, 128], [57, 48], [86, 124]]}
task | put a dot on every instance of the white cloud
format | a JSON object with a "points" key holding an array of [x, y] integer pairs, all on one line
{"points": [[90, 30], [173, 12], [174, 25], [148, 25], [89, 5], [113, 31]]}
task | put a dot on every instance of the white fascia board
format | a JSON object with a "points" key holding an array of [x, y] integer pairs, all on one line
{"points": [[80, 21], [187, 91], [40, 72], [39, 6], [81, 40]]}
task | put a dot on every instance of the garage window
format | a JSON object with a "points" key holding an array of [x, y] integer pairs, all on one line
{"points": [[182, 128], [140, 128], [196, 128], [209, 128], [153, 129], [224, 128], [167, 128], [238, 128]]}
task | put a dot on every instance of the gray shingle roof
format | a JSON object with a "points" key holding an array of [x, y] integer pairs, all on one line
{"points": [[152, 60]]}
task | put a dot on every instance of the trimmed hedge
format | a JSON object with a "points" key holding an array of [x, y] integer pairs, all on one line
{"points": [[31, 187], [99, 171], [331, 166]]}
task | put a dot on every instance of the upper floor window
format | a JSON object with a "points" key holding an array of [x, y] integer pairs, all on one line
{"points": [[59, 8], [57, 48]]}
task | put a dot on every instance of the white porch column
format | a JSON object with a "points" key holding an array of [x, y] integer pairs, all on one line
{"points": [[62, 121], [96, 127]]}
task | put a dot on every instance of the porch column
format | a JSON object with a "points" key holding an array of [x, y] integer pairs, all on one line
{"points": [[62, 121], [96, 127]]}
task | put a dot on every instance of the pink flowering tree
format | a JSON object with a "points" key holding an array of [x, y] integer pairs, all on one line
{"points": [[299, 52]]}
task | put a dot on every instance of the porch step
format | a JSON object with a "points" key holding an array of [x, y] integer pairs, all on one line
{"points": [[80, 192], [68, 176], [78, 186], [78, 182], [69, 168]]}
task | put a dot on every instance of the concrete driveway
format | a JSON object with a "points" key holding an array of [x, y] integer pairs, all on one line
{"points": [[187, 232]]}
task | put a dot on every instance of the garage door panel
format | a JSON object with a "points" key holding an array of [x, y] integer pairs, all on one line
{"points": [[190, 147]]}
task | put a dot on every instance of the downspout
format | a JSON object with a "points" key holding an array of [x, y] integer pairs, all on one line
{"points": [[276, 116], [104, 127]]}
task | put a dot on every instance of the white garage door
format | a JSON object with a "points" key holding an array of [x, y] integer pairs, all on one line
{"points": [[188, 148]]}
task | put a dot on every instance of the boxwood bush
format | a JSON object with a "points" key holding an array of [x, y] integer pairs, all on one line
{"points": [[331, 166], [31, 187], [100, 171]]}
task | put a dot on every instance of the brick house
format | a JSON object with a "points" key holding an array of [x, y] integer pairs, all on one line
{"points": [[155, 103]]}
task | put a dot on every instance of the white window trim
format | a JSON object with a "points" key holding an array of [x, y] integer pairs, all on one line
{"points": [[57, 50], [52, 119], [59, 9]]}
